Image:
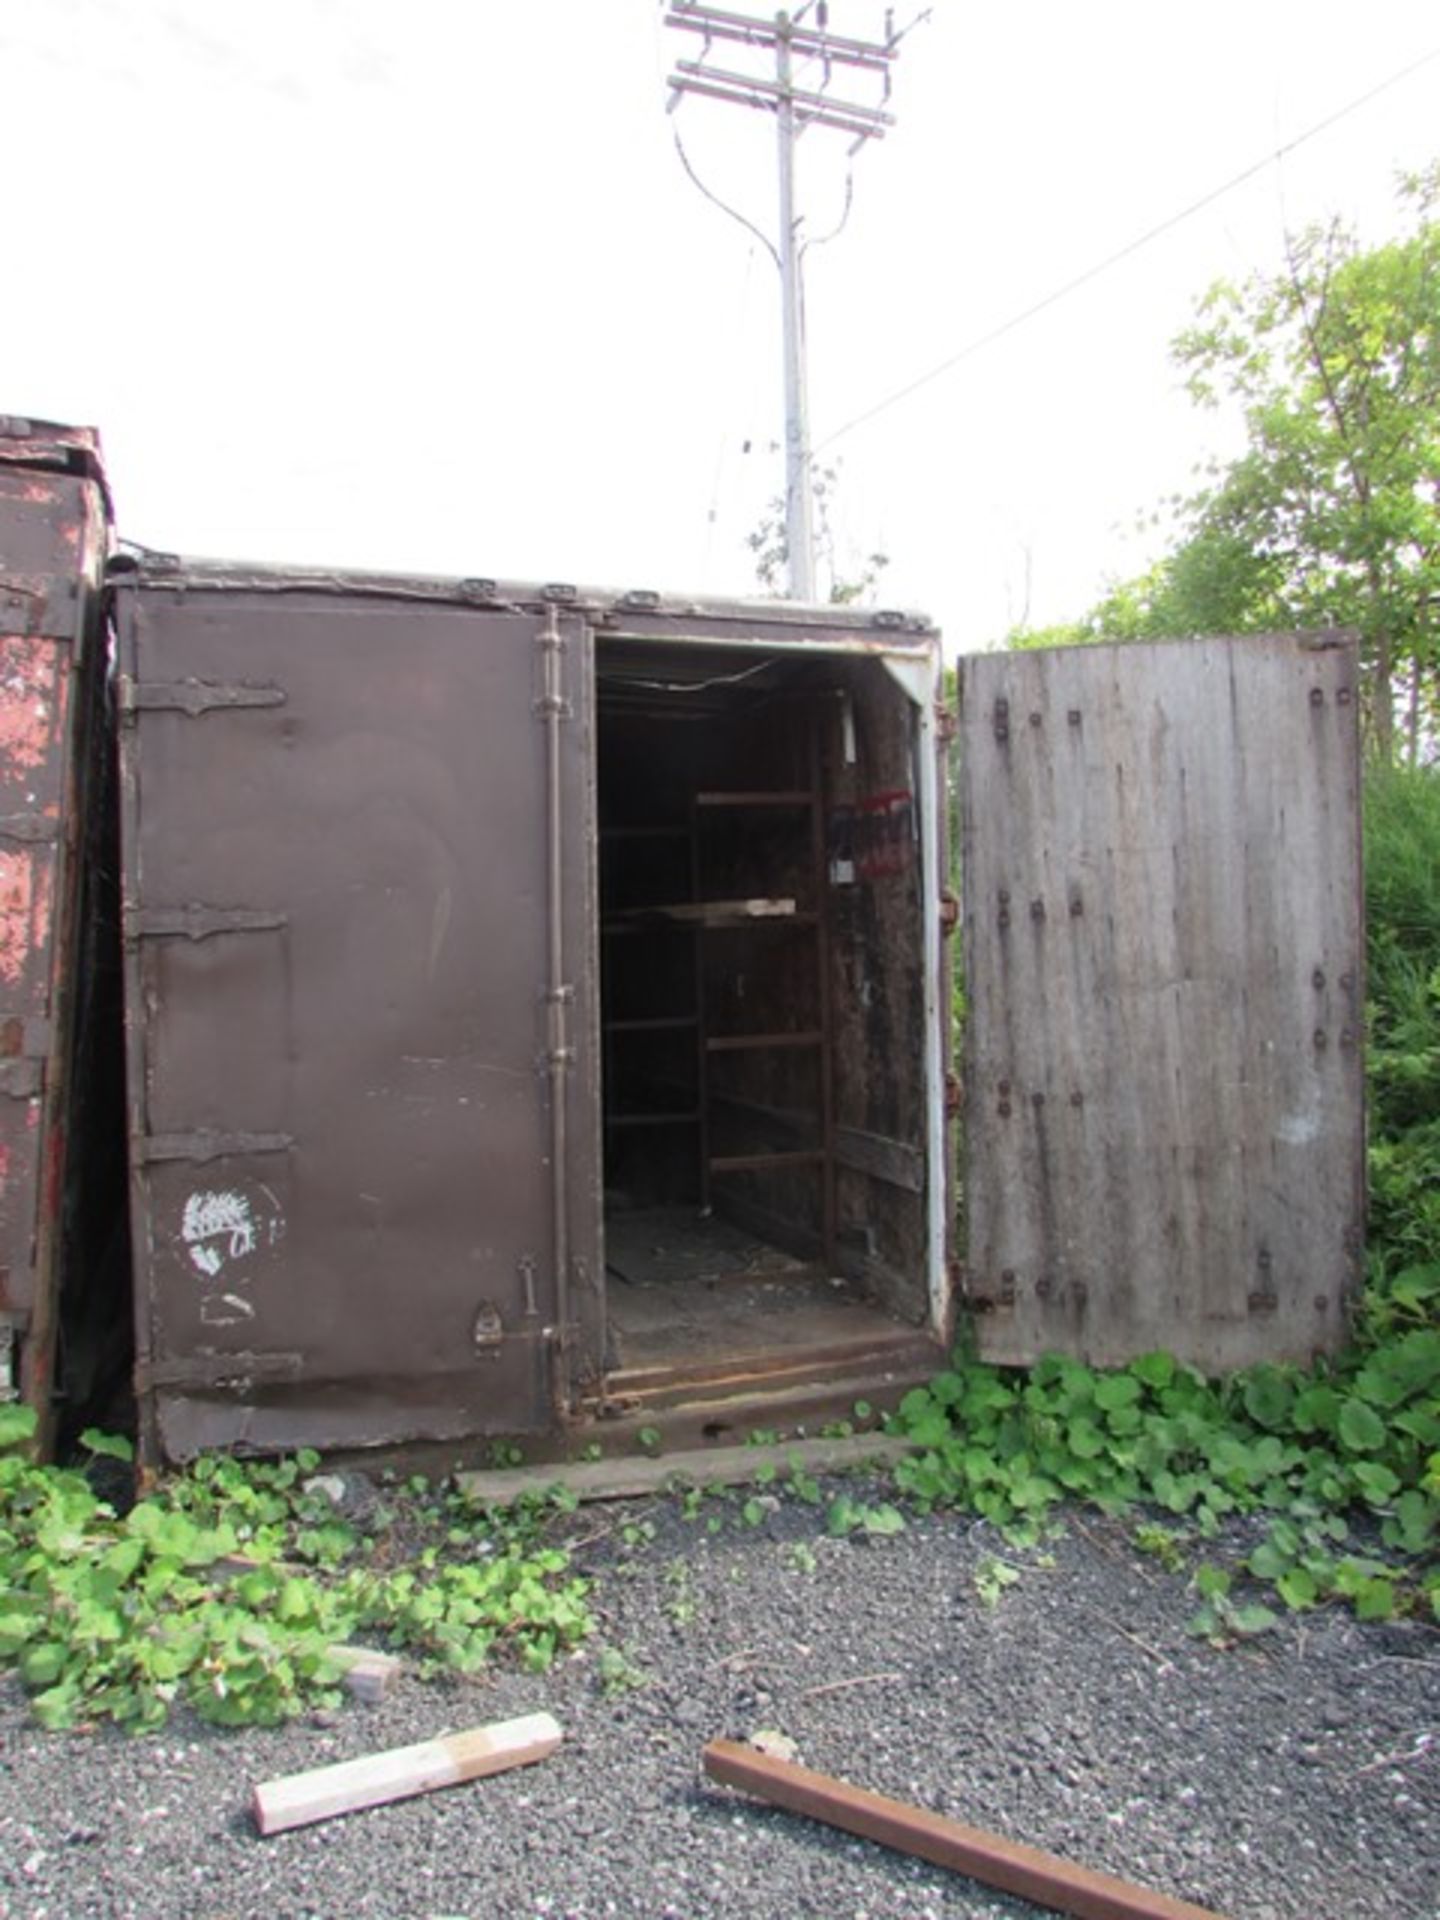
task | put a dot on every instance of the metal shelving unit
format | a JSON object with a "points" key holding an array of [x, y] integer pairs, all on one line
{"points": [[703, 921]]}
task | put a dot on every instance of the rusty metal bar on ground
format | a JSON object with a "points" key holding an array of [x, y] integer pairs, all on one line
{"points": [[1042, 1877]]}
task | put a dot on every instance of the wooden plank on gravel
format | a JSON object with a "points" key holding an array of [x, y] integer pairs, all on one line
{"points": [[300, 1799], [1042, 1877], [631, 1479]]}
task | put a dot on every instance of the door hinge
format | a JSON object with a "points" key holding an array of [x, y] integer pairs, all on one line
{"points": [[208, 1143], [198, 922], [192, 697], [1002, 1298], [35, 829], [22, 1079], [202, 1370], [38, 606], [954, 1096], [949, 913], [24, 1056], [30, 1038]]}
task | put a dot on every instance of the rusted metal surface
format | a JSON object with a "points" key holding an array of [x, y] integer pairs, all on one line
{"points": [[638, 613], [1044, 1878], [1163, 955], [362, 1082], [53, 533]]}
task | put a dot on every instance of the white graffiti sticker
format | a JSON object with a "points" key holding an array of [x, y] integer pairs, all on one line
{"points": [[217, 1227], [225, 1237]]}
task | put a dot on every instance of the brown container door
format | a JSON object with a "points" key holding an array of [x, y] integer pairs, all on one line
{"points": [[357, 877], [1163, 954], [53, 533]]}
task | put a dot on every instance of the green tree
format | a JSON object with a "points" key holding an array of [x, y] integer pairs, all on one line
{"points": [[1331, 515], [844, 582]]}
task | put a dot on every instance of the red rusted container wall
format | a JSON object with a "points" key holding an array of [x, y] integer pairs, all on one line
{"points": [[53, 536]]}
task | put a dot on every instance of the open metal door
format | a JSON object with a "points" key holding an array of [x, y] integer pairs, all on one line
{"points": [[358, 902], [1163, 954]]}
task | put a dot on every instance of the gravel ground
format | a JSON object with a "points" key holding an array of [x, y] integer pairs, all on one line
{"points": [[1295, 1779]]}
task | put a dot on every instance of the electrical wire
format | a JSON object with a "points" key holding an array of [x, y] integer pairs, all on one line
{"points": [[1110, 260], [685, 686], [724, 205], [824, 239]]}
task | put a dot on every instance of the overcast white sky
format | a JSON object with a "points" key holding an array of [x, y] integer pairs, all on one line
{"points": [[424, 285]]}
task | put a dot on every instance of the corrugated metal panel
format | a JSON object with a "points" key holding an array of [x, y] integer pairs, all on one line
{"points": [[52, 544], [351, 992], [1163, 949]]}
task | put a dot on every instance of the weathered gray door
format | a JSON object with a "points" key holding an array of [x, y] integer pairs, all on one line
{"points": [[357, 902], [1163, 955]]}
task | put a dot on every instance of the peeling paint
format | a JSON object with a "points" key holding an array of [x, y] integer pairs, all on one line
{"points": [[27, 703], [27, 886], [17, 889]]}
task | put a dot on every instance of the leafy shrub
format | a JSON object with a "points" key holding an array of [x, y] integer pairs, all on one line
{"points": [[1402, 886], [111, 1618]]}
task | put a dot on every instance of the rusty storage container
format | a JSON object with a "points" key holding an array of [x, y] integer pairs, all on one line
{"points": [[535, 1006], [538, 1005], [53, 537]]}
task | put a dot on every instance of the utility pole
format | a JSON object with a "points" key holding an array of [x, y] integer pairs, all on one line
{"points": [[790, 41], [799, 494]]}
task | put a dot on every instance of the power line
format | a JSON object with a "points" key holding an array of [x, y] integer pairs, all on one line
{"points": [[1123, 253], [715, 200]]}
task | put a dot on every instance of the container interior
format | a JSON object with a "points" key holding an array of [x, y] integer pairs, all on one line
{"points": [[762, 1010]]}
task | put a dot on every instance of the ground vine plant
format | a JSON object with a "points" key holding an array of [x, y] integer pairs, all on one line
{"points": [[1344, 1461], [229, 1587]]}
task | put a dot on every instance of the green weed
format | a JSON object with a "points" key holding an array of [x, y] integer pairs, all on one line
{"points": [[227, 1586], [992, 1578]]}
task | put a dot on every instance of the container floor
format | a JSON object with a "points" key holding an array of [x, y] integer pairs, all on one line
{"points": [[693, 1294]]}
